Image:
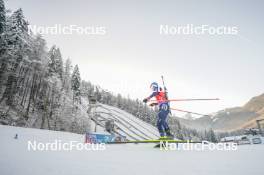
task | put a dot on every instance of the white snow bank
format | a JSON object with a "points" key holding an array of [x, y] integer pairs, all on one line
{"points": [[128, 159]]}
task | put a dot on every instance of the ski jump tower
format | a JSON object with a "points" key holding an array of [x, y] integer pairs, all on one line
{"points": [[96, 117], [92, 109], [260, 124]]}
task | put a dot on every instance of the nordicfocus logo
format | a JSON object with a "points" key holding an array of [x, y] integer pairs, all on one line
{"points": [[203, 146], [59, 29], [58, 145], [190, 29]]}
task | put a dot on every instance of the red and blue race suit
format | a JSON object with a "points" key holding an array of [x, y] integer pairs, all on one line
{"points": [[164, 110]]}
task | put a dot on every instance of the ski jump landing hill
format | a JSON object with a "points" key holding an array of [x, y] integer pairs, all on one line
{"points": [[125, 124]]}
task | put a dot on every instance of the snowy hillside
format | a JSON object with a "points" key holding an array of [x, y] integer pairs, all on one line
{"points": [[118, 159]]}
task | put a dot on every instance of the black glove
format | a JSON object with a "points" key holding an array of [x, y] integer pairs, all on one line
{"points": [[153, 104], [145, 100]]}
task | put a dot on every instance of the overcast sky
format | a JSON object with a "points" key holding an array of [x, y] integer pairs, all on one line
{"points": [[133, 53]]}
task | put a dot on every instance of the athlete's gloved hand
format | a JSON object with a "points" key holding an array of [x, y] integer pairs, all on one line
{"points": [[153, 104], [145, 100]]}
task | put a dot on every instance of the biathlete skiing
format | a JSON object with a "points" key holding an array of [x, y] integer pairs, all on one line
{"points": [[164, 109]]}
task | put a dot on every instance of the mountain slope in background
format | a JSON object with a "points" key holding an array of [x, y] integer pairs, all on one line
{"points": [[256, 104], [231, 119]]}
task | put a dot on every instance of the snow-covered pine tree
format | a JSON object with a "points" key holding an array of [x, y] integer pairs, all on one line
{"points": [[211, 136], [3, 43], [66, 85], [18, 21], [119, 101], [51, 63], [34, 71], [176, 128], [17, 33], [55, 62], [106, 97], [75, 84], [86, 89], [18, 48], [98, 94], [58, 63], [39, 50], [2, 16]]}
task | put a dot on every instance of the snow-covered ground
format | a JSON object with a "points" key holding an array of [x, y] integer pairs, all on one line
{"points": [[118, 159]]}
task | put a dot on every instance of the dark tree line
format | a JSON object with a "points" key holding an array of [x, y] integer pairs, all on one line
{"points": [[34, 81]]}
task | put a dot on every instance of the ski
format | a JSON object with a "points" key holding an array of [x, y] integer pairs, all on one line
{"points": [[153, 141]]}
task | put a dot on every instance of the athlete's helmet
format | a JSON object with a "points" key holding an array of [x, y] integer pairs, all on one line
{"points": [[154, 87]]}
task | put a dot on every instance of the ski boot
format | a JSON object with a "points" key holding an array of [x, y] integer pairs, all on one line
{"points": [[163, 138], [169, 135]]}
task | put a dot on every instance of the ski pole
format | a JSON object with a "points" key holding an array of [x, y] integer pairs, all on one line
{"points": [[180, 110], [165, 90], [162, 78], [190, 99]]}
